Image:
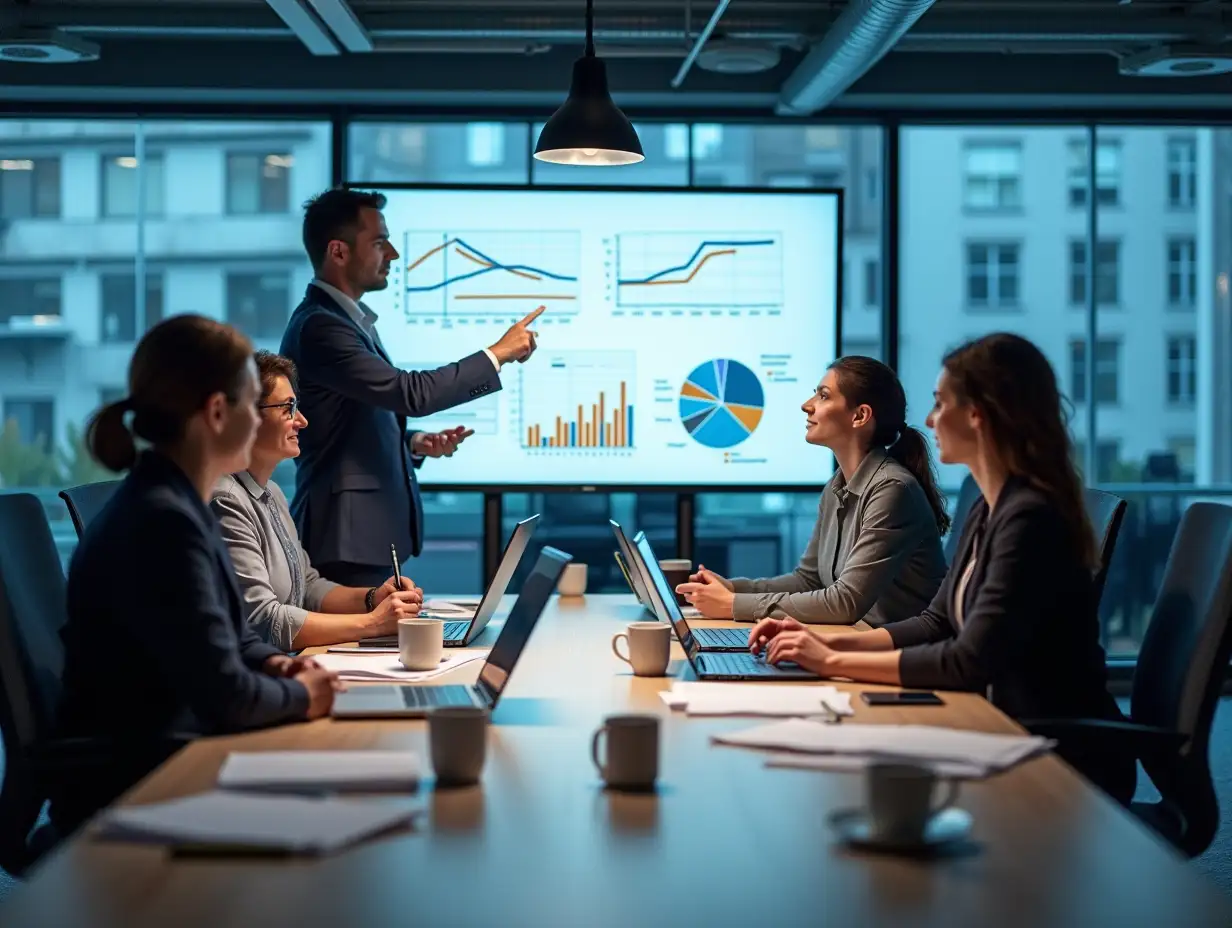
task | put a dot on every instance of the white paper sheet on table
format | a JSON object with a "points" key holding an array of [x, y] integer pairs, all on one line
{"points": [[310, 771], [857, 763], [922, 743], [362, 665], [235, 821], [453, 608], [760, 699]]}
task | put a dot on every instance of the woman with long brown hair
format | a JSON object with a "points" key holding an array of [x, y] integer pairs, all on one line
{"points": [[875, 552], [156, 646], [1016, 617]]}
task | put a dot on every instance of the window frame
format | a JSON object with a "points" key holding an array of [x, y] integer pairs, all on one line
{"points": [[994, 273], [997, 180]]}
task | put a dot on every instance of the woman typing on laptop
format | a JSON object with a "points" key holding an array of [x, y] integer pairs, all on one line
{"points": [[1016, 618], [156, 647], [875, 553], [286, 601]]}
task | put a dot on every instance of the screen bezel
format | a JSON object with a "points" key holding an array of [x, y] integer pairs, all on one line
{"points": [[521, 534], [577, 487]]}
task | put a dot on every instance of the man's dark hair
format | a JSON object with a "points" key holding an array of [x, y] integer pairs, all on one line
{"points": [[332, 215]]}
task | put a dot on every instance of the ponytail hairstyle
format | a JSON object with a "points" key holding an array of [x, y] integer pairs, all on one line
{"points": [[1011, 383], [178, 365], [866, 381]]}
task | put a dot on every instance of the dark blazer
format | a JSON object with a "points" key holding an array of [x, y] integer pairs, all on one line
{"points": [[355, 486], [156, 645], [1030, 634]]}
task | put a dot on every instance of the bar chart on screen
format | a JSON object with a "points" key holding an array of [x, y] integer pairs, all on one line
{"points": [[476, 277], [581, 401], [699, 270]]}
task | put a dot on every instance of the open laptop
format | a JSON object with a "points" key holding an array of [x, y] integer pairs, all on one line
{"points": [[366, 702], [460, 633], [731, 665], [626, 559]]}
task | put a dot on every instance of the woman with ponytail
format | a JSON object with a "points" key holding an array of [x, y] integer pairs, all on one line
{"points": [[156, 645], [1016, 618], [875, 553]]}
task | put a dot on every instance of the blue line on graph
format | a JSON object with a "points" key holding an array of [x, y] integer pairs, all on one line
{"points": [[688, 264], [495, 266]]}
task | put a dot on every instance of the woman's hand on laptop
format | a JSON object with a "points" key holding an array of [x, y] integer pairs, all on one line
{"points": [[767, 629], [400, 604]]}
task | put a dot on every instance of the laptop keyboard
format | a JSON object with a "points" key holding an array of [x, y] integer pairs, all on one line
{"points": [[745, 664], [721, 637], [427, 697], [456, 630]]}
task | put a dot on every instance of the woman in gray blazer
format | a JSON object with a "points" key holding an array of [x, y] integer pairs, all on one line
{"points": [[286, 601], [875, 553]]}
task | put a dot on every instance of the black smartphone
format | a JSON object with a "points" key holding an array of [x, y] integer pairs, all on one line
{"points": [[902, 698]]}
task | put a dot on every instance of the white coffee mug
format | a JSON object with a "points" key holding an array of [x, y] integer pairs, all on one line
{"points": [[421, 643], [572, 580], [458, 741], [650, 648], [631, 751], [900, 800]]}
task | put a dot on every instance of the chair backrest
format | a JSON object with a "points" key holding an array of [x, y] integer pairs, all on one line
{"points": [[87, 501], [32, 613], [1106, 513], [1182, 663], [968, 493]]}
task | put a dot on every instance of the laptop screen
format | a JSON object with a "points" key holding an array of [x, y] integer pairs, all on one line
{"points": [[663, 597], [514, 550], [536, 592], [636, 576]]}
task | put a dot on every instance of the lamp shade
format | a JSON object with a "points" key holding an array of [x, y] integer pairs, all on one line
{"points": [[589, 129]]}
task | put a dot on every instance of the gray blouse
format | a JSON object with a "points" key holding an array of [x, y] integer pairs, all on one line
{"points": [[279, 585], [875, 555]]}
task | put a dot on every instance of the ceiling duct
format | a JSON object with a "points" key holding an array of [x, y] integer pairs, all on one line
{"points": [[860, 36]]}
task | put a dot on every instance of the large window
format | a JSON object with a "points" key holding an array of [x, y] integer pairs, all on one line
{"points": [[33, 421], [1107, 371], [119, 310], [1107, 173], [31, 299], [1182, 171], [121, 176], [1107, 273], [444, 152], [1182, 369], [259, 303], [1182, 271], [993, 176], [29, 187], [992, 275], [258, 182]]}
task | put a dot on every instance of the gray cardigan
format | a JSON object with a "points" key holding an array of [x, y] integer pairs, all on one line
{"points": [[875, 554], [261, 565]]}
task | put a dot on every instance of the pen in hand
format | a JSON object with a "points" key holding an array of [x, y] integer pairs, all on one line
{"points": [[393, 553]]}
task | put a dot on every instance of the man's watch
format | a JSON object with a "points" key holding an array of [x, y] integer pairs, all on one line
{"points": [[370, 599]]}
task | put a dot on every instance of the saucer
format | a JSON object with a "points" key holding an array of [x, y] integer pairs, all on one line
{"points": [[944, 828]]}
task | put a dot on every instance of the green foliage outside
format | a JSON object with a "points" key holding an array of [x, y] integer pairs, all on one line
{"points": [[28, 464]]}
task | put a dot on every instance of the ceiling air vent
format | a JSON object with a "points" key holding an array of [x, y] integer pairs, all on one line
{"points": [[725, 56], [44, 46], [1177, 61]]}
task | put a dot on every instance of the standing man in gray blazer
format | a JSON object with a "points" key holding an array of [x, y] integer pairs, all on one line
{"points": [[355, 486]]}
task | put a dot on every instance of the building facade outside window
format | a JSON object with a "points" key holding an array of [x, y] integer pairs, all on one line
{"points": [[992, 176], [992, 275], [29, 188], [258, 182]]}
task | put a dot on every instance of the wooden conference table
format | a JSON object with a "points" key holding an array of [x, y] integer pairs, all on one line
{"points": [[724, 841]]}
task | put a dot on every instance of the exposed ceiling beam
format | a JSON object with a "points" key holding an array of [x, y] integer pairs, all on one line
{"points": [[307, 28], [700, 43], [339, 17]]}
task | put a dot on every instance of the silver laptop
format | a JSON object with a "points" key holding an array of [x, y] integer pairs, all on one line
{"points": [[626, 559], [460, 633], [366, 702], [733, 665]]}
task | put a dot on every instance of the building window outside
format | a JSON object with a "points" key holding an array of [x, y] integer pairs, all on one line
{"points": [[118, 298], [258, 182], [1107, 459], [1107, 173], [993, 176], [872, 283], [992, 275], [707, 141], [34, 420], [1185, 449], [29, 188], [1107, 273], [258, 304], [120, 175], [30, 298], [485, 144], [1107, 370], [1182, 272], [1182, 369], [1182, 171]]}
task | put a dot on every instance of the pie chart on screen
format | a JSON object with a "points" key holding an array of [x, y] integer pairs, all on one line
{"points": [[721, 403]]}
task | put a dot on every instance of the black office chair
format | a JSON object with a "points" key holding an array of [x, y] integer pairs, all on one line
{"points": [[1106, 513], [968, 493], [87, 501], [1181, 667]]}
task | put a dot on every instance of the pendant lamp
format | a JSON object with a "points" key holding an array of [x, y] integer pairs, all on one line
{"points": [[589, 129]]}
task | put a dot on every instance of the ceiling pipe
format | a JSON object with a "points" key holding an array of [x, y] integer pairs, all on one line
{"points": [[707, 31], [342, 21], [305, 26], [859, 38]]}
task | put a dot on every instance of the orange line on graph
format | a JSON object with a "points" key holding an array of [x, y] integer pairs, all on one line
{"points": [[428, 254], [482, 263], [748, 416], [513, 296], [693, 390], [682, 280]]}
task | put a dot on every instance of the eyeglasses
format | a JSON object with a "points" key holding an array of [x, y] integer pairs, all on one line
{"points": [[289, 408]]}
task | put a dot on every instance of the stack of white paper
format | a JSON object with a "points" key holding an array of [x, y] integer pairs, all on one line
{"points": [[222, 821], [321, 771], [973, 753], [362, 666], [763, 699]]}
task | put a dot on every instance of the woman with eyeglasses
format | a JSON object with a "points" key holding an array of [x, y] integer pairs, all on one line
{"points": [[287, 602]]}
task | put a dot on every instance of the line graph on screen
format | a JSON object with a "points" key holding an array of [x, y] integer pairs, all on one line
{"points": [[676, 270]]}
